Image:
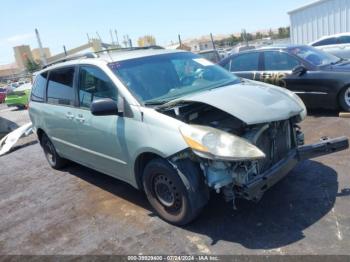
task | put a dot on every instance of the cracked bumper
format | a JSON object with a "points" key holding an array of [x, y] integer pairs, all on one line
{"points": [[255, 189]]}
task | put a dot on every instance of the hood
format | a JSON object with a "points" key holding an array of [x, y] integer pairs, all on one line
{"points": [[250, 101]]}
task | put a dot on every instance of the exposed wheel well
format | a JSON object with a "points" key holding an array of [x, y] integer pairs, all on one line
{"points": [[140, 164]]}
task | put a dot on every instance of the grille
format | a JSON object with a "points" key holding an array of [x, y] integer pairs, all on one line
{"points": [[275, 142]]}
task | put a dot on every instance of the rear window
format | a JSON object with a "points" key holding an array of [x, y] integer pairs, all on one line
{"points": [[60, 87], [38, 89], [344, 39]]}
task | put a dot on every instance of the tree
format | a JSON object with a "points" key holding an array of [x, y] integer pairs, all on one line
{"points": [[258, 35], [32, 66], [146, 40]]}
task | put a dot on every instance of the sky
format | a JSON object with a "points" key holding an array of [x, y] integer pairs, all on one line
{"points": [[66, 22]]}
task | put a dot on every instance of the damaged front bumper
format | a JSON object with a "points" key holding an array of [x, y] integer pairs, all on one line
{"points": [[256, 188]]}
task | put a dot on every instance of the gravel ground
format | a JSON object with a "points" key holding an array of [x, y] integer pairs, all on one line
{"points": [[80, 211]]}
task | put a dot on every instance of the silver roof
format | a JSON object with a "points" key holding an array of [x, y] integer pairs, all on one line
{"points": [[113, 56]]}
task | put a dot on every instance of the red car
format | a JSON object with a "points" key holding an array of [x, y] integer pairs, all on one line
{"points": [[2, 95]]}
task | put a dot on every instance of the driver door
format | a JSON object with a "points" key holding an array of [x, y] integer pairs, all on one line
{"points": [[98, 137]]}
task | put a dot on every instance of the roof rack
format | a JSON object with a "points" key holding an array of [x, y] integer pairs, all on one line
{"points": [[129, 48], [72, 57], [95, 54]]}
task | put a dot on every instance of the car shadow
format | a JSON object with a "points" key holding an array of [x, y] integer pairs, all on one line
{"points": [[301, 199]]}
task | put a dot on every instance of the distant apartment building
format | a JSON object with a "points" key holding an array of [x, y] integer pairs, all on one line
{"points": [[36, 54], [22, 55], [197, 46]]}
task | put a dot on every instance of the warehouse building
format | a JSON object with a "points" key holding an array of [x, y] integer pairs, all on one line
{"points": [[321, 18]]}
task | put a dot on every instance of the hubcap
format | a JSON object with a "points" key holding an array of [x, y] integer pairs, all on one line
{"points": [[49, 150], [347, 96], [166, 192]]}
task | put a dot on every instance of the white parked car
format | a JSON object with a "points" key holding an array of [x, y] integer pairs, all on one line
{"points": [[338, 45]]}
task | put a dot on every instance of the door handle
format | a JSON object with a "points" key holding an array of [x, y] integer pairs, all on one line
{"points": [[80, 118], [69, 115]]}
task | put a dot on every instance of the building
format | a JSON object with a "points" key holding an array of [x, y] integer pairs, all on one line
{"points": [[36, 54], [9, 70], [201, 45], [321, 18], [22, 55], [178, 47]]}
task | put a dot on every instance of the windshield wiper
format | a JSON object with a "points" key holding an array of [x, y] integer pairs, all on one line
{"points": [[338, 61], [155, 102]]}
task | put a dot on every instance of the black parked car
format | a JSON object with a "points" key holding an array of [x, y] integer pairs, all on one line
{"points": [[320, 79]]}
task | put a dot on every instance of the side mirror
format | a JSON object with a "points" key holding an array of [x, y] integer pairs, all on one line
{"points": [[104, 107], [299, 70]]}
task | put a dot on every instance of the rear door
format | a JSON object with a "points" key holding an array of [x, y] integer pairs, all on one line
{"points": [[101, 138], [343, 50], [277, 69], [58, 112], [246, 65]]}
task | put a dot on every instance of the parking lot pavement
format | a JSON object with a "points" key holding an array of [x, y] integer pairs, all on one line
{"points": [[80, 211]]}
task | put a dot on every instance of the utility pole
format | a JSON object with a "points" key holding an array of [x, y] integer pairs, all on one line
{"points": [[65, 50], [212, 41], [42, 54], [129, 41], [110, 32], [116, 35], [99, 37], [180, 43]]}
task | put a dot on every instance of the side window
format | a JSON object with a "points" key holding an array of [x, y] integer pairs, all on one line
{"points": [[344, 39], [279, 61], [60, 87], [227, 64], [94, 84], [38, 90], [245, 62], [327, 41]]}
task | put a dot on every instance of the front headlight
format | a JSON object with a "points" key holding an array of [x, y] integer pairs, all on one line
{"points": [[301, 104], [212, 143]]}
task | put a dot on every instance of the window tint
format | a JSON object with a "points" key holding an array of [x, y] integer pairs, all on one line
{"points": [[344, 39], [328, 41], [246, 62], [227, 64], [60, 87], [38, 89], [94, 84], [277, 61]]}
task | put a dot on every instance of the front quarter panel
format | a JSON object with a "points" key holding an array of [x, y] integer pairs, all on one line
{"points": [[150, 132]]}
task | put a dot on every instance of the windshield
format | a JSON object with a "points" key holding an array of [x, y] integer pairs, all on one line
{"points": [[161, 78], [314, 56]]}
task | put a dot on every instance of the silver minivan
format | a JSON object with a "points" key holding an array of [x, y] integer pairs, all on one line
{"points": [[170, 123]]}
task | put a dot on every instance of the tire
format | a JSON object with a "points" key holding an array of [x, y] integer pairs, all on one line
{"points": [[55, 161], [344, 99], [167, 193]]}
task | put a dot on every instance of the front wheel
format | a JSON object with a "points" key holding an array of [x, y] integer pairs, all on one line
{"points": [[344, 99], [51, 155], [167, 193]]}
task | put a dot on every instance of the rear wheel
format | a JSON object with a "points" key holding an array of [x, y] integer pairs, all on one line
{"points": [[344, 99], [51, 155], [167, 193]]}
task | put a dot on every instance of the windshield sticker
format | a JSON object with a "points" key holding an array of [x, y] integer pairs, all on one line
{"points": [[203, 61]]}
